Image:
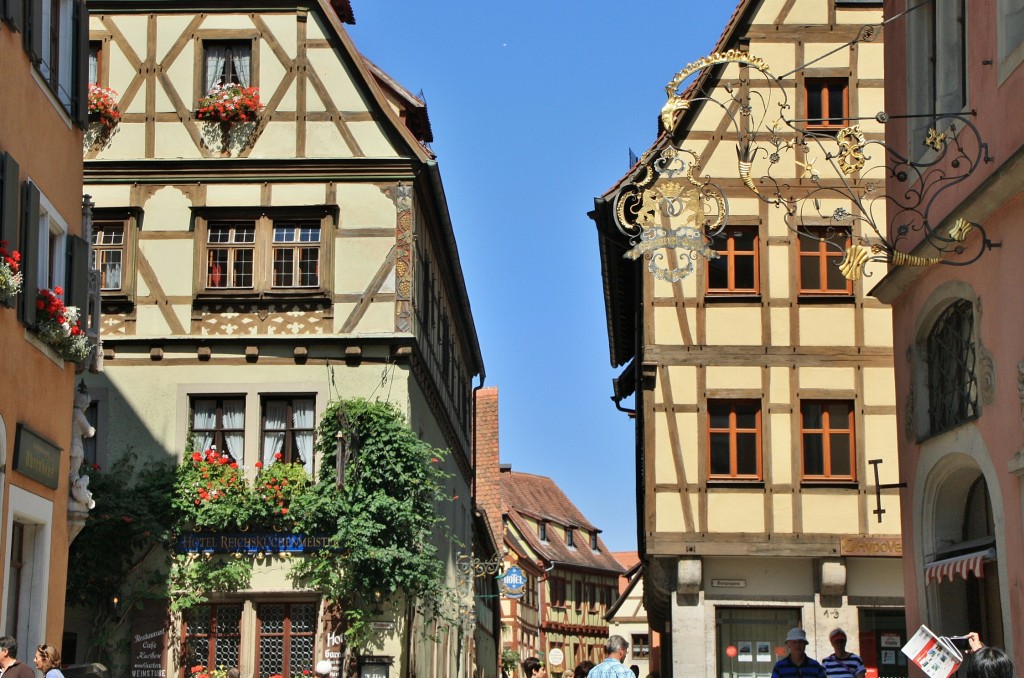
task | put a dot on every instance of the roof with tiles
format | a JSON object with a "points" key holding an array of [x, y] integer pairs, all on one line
{"points": [[527, 496]]}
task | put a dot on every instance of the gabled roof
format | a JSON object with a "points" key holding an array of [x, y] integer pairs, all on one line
{"points": [[414, 109], [539, 497]]}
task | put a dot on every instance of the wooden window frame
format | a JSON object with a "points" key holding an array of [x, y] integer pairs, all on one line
{"points": [[264, 220], [289, 453], [640, 650], [130, 218], [218, 429], [287, 635], [578, 598], [827, 255], [203, 37], [828, 85], [731, 255], [542, 531], [213, 636], [593, 541], [827, 430], [570, 537], [732, 431]]}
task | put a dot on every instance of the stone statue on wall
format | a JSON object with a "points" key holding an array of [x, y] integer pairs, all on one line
{"points": [[80, 428], [81, 498]]}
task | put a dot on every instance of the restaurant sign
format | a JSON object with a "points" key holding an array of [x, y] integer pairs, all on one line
{"points": [[885, 547], [253, 542]]}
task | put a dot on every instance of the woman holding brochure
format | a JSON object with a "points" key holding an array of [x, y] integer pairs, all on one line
{"points": [[986, 662]]}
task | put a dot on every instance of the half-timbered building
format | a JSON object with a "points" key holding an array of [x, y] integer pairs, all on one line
{"points": [[763, 379], [279, 243]]}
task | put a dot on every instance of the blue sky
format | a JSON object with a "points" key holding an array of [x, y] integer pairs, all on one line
{"points": [[534, 106]]}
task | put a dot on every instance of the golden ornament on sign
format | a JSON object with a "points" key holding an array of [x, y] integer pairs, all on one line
{"points": [[960, 229], [677, 103], [852, 266], [935, 140], [851, 156]]}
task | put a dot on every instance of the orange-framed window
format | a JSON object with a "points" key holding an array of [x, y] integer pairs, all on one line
{"points": [[285, 638], [736, 270], [734, 428], [827, 103], [819, 261], [826, 428]]}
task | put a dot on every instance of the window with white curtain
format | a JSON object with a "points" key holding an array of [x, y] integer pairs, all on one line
{"points": [[287, 430], [226, 62], [219, 422]]}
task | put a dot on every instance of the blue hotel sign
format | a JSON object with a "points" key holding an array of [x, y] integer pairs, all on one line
{"points": [[513, 583], [252, 542]]}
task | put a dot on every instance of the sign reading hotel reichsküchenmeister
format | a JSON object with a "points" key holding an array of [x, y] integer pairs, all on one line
{"points": [[36, 457], [252, 542]]}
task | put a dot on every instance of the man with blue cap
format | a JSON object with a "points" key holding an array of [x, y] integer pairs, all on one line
{"points": [[797, 664]]}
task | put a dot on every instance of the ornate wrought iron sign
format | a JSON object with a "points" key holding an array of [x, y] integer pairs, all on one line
{"points": [[666, 205]]}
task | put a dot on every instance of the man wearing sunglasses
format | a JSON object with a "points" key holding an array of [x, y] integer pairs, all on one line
{"points": [[842, 664]]}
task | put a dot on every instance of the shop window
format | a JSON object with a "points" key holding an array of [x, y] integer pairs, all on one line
{"points": [[735, 271], [226, 62], [263, 254], [219, 422], [753, 638], [820, 256], [734, 428], [211, 636], [828, 103], [826, 428], [286, 634], [287, 430], [641, 646], [952, 383]]}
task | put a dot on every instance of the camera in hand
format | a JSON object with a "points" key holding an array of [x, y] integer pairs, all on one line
{"points": [[961, 643]]}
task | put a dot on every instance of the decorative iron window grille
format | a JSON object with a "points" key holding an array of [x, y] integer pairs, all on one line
{"points": [[952, 383]]}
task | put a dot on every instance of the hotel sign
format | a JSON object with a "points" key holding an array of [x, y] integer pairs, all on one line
{"points": [[252, 542], [36, 457], [878, 547]]}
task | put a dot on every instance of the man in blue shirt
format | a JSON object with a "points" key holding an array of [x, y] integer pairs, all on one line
{"points": [[797, 664], [842, 664], [612, 667]]}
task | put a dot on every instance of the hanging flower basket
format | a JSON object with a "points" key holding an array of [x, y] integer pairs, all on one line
{"points": [[59, 326], [230, 103], [103, 107], [10, 271]]}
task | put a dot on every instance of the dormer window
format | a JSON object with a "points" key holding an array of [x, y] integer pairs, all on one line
{"points": [[593, 541], [569, 540], [542, 530]]}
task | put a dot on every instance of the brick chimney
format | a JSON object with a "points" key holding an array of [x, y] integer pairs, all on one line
{"points": [[488, 484]]}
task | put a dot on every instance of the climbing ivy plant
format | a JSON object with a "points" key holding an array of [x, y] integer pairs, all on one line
{"points": [[383, 519]]}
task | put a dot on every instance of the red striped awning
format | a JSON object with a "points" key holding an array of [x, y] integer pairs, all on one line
{"points": [[961, 565]]}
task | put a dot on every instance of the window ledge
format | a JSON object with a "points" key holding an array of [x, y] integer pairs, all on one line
{"points": [[830, 484], [726, 298], [262, 298], [31, 338], [840, 299], [724, 484]]}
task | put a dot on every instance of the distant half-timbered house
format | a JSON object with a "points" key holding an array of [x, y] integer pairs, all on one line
{"points": [[272, 233]]}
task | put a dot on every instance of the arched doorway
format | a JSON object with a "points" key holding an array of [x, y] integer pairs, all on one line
{"points": [[961, 572]]}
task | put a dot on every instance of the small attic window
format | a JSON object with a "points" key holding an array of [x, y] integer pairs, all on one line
{"points": [[542, 530], [569, 539], [593, 541]]}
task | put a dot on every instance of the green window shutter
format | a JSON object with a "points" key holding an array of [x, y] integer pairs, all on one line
{"points": [[14, 14], [9, 185], [77, 292], [31, 246], [34, 30], [80, 59]]}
